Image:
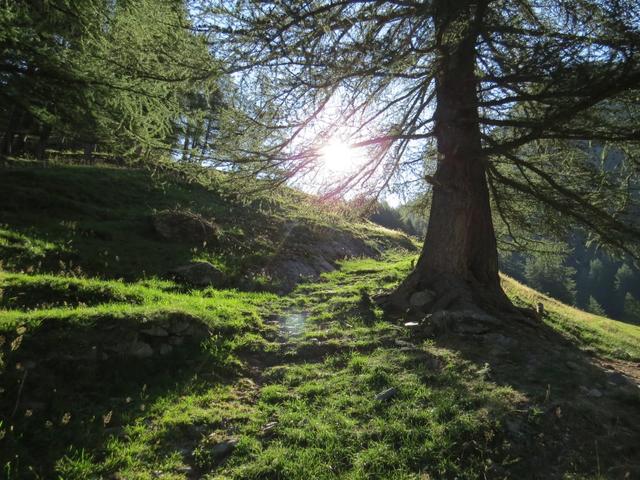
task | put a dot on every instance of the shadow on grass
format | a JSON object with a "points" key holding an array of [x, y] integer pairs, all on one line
{"points": [[64, 416], [579, 417]]}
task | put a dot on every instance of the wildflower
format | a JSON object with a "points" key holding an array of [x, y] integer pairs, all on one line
{"points": [[66, 418], [28, 413], [48, 424], [107, 418]]}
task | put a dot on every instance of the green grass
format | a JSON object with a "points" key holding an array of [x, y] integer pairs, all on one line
{"points": [[30, 299], [95, 221], [607, 337], [330, 426], [45, 319], [164, 416], [80, 258]]}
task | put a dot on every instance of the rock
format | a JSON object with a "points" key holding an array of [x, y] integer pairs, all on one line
{"points": [[386, 394], [141, 350], [617, 378], [179, 326], [222, 449], [420, 299], [184, 226], [572, 365], [176, 341], [155, 331], [403, 343], [197, 330], [165, 349], [594, 392], [269, 428], [199, 274]]}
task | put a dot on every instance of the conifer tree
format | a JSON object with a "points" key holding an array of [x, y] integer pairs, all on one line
{"points": [[76, 74], [496, 104]]}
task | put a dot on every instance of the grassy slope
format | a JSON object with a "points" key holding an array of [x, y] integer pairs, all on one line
{"points": [[607, 337], [452, 415], [96, 221], [450, 418]]}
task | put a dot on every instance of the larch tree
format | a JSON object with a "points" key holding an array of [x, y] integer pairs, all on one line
{"points": [[496, 104], [117, 74]]}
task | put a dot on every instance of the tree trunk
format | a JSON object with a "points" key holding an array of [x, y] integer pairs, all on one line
{"points": [[459, 261], [43, 138], [87, 152], [7, 138], [185, 146], [207, 134]]}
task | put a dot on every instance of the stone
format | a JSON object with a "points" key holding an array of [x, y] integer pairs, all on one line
{"points": [[184, 226], [179, 326], [269, 428], [196, 329], [386, 394], [617, 378], [141, 350], [199, 274], [155, 331], [420, 299], [222, 449], [594, 392], [572, 365], [403, 343], [176, 341]]}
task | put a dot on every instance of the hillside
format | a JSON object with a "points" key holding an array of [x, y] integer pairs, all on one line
{"points": [[112, 369], [114, 223]]}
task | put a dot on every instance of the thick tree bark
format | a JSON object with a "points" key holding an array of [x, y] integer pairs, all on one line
{"points": [[459, 261]]}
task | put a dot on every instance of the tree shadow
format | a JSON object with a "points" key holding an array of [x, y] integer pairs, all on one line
{"points": [[72, 408], [579, 417]]}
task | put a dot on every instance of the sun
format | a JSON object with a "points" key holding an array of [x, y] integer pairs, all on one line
{"points": [[338, 157]]}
